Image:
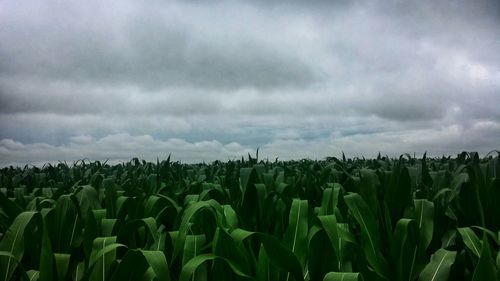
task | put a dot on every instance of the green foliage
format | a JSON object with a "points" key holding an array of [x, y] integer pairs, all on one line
{"points": [[335, 219], [439, 266]]}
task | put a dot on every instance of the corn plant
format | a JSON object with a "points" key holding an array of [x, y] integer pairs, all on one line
{"points": [[406, 219]]}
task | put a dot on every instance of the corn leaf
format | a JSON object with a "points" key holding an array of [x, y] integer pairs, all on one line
{"points": [[471, 240], [296, 234], [343, 276], [13, 243], [370, 237], [485, 268], [438, 269]]}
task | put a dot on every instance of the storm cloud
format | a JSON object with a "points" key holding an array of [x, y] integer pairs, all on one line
{"points": [[122, 79]]}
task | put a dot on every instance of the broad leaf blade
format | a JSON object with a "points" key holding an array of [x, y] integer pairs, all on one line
{"points": [[438, 269], [485, 268], [13, 243], [424, 216], [471, 240], [343, 276], [370, 237], [193, 264], [296, 234]]}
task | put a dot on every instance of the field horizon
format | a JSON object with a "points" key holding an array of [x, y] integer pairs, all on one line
{"points": [[426, 219], [255, 155]]}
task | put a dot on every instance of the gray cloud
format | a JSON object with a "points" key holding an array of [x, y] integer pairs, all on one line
{"points": [[144, 45], [120, 147], [298, 79], [114, 147]]}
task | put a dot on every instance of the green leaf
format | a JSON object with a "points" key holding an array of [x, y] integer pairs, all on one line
{"points": [[158, 262], [193, 246], [343, 276], [190, 267], [11, 209], [87, 200], [92, 230], [448, 238], [471, 240], [405, 249], [249, 212], [280, 256], [224, 246], [33, 275], [296, 234], [277, 254], [67, 224], [213, 206], [485, 268], [368, 189], [78, 272], [370, 237], [424, 216], [110, 197], [62, 264], [498, 264], [13, 243], [263, 266], [14, 260], [329, 199], [108, 227], [231, 217], [398, 193], [131, 235], [46, 267], [488, 232], [152, 184], [103, 255], [158, 206], [320, 264], [438, 269], [329, 224]]}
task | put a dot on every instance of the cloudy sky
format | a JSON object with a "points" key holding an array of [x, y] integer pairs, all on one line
{"points": [[119, 79]]}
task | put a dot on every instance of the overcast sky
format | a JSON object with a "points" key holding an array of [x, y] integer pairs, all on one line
{"points": [[299, 79]]}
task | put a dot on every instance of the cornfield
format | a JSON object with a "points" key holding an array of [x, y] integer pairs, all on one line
{"points": [[334, 219]]}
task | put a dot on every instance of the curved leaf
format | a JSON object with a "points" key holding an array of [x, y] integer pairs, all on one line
{"points": [[67, 224], [103, 255], [405, 249], [190, 212], [438, 269], [193, 264], [370, 237], [471, 240], [320, 264], [13, 243], [485, 268], [343, 276], [13, 259], [158, 262], [11, 209], [132, 267], [277, 254], [329, 224], [224, 246]]}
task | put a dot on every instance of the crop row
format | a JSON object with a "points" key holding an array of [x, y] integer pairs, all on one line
{"points": [[334, 219]]}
